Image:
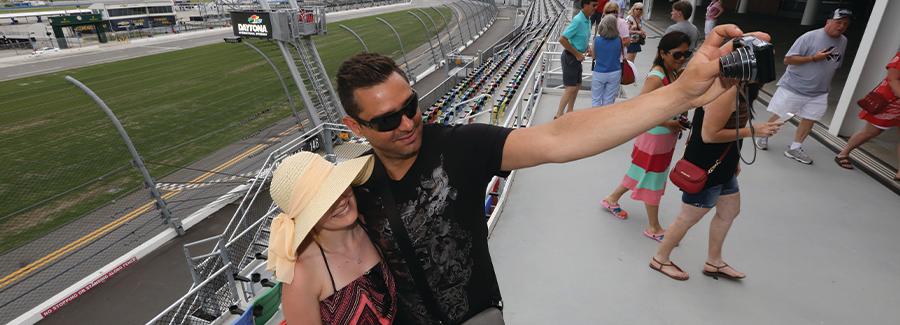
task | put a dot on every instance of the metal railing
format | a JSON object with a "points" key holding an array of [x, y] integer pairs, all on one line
{"points": [[241, 248], [204, 303]]}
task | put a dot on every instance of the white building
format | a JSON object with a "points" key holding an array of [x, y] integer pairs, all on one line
{"points": [[130, 16]]}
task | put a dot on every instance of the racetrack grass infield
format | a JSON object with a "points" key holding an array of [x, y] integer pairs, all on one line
{"points": [[178, 107]]}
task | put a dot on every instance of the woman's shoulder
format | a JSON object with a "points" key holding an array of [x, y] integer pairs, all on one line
{"points": [[309, 271]]}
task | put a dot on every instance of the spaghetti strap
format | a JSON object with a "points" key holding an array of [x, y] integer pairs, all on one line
{"points": [[333, 286]]}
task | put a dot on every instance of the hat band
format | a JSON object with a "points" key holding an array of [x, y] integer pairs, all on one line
{"points": [[307, 185]]}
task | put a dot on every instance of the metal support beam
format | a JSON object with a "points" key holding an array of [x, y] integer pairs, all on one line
{"points": [[462, 12], [281, 80], [365, 48], [475, 12], [409, 74], [462, 40], [447, 28], [437, 33], [136, 158], [437, 59]]}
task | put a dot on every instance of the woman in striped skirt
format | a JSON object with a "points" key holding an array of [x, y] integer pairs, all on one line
{"points": [[647, 176]]}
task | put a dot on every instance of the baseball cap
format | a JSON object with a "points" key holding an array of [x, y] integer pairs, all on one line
{"points": [[842, 13]]}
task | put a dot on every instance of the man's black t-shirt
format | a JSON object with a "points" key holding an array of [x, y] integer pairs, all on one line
{"points": [[441, 202]]}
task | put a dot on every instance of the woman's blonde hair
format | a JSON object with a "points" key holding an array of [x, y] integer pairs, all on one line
{"points": [[636, 5], [610, 6], [608, 26]]}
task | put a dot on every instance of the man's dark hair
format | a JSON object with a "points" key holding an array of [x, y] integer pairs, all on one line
{"points": [[362, 71], [685, 8], [587, 2]]}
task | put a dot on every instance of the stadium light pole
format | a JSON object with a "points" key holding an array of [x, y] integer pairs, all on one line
{"points": [[137, 160]]}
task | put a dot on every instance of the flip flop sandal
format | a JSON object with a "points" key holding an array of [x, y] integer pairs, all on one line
{"points": [[614, 209], [657, 237], [844, 162], [718, 273], [662, 265]]}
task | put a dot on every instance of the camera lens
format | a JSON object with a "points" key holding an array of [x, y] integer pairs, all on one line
{"points": [[739, 64]]}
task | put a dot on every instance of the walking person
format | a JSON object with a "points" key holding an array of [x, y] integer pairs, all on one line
{"points": [[424, 204], [331, 271], [575, 41], [681, 14], [636, 30], [598, 12], [889, 89], [607, 54], [803, 89], [713, 11], [714, 145], [647, 176]]}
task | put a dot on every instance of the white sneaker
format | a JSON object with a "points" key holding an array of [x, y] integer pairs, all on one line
{"points": [[762, 143], [799, 155]]}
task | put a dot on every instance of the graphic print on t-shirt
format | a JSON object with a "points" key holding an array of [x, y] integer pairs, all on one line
{"points": [[450, 264]]}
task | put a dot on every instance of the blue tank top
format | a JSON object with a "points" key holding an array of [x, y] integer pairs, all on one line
{"points": [[607, 52]]}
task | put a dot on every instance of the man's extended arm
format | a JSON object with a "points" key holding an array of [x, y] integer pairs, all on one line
{"points": [[588, 132]]}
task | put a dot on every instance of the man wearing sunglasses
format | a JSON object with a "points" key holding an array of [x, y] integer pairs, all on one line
{"points": [[436, 176]]}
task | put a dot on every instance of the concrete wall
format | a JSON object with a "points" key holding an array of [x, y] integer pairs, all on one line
{"points": [[877, 47]]}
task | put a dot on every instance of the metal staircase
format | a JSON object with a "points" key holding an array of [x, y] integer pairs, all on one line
{"points": [[316, 81]]}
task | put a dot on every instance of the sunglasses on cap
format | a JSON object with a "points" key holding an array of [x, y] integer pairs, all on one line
{"points": [[679, 55], [390, 121]]}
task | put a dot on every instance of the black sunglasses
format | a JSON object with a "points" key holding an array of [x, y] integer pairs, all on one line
{"points": [[678, 55], [611, 13], [391, 121]]}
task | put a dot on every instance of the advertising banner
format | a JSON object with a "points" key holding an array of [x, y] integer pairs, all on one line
{"points": [[251, 24]]}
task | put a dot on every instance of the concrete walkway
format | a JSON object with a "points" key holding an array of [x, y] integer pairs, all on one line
{"points": [[817, 243]]}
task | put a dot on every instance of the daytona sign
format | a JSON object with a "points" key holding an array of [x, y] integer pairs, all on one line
{"points": [[251, 24]]}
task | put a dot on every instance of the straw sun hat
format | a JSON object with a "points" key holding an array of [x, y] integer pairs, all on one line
{"points": [[305, 186]]}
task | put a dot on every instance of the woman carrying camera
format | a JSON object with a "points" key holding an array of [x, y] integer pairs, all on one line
{"points": [[652, 153], [714, 144], [636, 29]]}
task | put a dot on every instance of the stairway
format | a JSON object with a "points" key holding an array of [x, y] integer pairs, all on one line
{"points": [[316, 82]]}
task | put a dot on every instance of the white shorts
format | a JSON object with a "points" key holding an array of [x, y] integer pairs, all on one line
{"points": [[785, 101]]}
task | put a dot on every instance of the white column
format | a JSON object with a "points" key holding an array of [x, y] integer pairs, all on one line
{"points": [[878, 45], [809, 13], [742, 8], [648, 8], [694, 14]]}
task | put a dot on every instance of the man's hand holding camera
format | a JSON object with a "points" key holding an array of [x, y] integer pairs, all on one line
{"points": [[701, 82]]}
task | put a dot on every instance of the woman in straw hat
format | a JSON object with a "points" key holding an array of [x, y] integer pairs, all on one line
{"points": [[332, 274]]}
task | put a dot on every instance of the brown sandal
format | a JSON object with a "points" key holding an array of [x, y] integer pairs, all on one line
{"points": [[662, 265], [718, 273], [844, 162]]}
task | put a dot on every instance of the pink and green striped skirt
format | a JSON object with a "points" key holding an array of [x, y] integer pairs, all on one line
{"points": [[649, 170]]}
